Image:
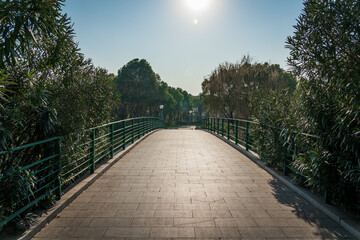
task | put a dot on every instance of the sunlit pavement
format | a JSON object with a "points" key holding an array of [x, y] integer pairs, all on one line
{"points": [[189, 184]]}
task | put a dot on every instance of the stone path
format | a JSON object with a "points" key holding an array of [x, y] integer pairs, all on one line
{"points": [[189, 184]]}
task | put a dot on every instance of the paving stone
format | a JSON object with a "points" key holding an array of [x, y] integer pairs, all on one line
{"points": [[75, 222], [247, 214], [217, 232], [235, 222], [194, 222], [194, 206], [83, 232], [172, 232], [49, 232], [134, 213], [111, 221], [153, 222], [211, 213], [261, 232], [315, 232], [127, 232], [96, 213], [173, 213], [128, 206]]}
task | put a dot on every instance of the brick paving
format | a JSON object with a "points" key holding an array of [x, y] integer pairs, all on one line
{"points": [[188, 184]]}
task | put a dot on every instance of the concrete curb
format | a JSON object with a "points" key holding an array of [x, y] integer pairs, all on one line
{"points": [[346, 220], [74, 192]]}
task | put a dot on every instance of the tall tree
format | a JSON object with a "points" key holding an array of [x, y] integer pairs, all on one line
{"points": [[138, 85], [228, 90]]}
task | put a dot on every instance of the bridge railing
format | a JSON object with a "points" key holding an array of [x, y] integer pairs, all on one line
{"points": [[241, 132], [40, 170]]}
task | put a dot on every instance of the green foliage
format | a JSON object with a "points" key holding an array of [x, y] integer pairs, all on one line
{"points": [[324, 53], [142, 92], [229, 88], [137, 83], [47, 88], [272, 109]]}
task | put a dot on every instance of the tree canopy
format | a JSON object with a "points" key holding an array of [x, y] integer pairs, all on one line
{"points": [[142, 92], [228, 90]]}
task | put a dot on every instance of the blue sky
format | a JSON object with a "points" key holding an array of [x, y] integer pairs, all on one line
{"points": [[113, 32]]}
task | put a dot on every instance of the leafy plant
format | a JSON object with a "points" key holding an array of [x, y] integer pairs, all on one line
{"points": [[324, 54]]}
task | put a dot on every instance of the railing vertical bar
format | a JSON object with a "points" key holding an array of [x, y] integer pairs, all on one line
{"points": [[124, 134], [222, 127], [112, 140], [236, 131], [92, 151], [132, 131], [228, 129], [247, 136], [58, 151], [139, 127]]}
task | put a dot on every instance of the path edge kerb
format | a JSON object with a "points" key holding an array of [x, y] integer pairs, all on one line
{"points": [[72, 194], [335, 214]]}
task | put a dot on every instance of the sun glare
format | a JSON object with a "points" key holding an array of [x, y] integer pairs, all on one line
{"points": [[198, 5]]}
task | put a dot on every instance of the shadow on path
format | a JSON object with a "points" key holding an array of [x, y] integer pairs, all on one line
{"points": [[322, 226]]}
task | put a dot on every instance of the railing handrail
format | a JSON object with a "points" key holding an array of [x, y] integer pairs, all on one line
{"points": [[255, 122], [56, 138], [29, 145], [119, 121]]}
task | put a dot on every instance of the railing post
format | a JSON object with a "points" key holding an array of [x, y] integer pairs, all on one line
{"points": [[92, 151], [236, 131], [124, 134], [326, 198], [213, 124], [112, 140], [228, 129], [58, 152], [247, 136], [222, 127], [285, 154], [139, 128], [217, 127], [132, 131]]}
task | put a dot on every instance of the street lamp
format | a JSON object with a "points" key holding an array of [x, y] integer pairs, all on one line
{"points": [[161, 111], [190, 113]]}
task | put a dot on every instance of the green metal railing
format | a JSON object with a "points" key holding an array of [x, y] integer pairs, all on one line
{"points": [[44, 168], [240, 132]]}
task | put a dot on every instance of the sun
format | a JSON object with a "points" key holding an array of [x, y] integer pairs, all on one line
{"points": [[198, 5]]}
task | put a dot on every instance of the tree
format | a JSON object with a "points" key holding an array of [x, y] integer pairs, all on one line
{"points": [[228, 90], [137, 84], [324, 55]]}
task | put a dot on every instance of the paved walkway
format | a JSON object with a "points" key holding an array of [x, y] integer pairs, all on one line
{"points": [[187, 184]]}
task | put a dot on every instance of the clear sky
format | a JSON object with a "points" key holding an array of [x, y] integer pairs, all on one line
{"points": [[183, 40]]}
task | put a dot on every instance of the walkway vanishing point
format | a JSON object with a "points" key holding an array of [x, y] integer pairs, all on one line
{"points": [[187, 184]]}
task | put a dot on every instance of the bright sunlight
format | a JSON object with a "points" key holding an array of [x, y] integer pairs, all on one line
{"points": [[198, 5]]}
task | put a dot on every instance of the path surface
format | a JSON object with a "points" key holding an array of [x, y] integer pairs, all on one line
{"points": [[187, 184]]}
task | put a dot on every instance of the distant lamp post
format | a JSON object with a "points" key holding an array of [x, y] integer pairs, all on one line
{"points": [[190, 113], [161, 111]]}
